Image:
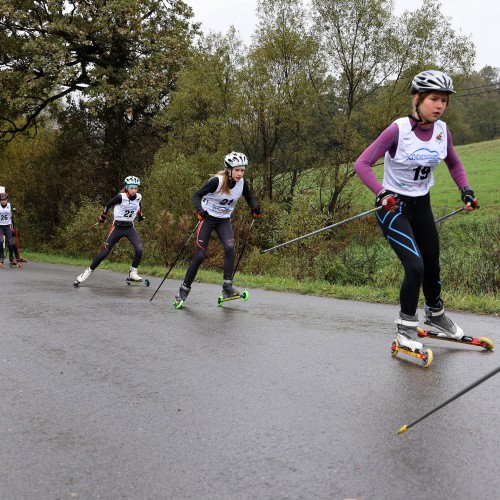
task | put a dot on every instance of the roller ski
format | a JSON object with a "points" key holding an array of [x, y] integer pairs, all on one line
{"points": [[483, 342], [135, 279], [14, 263], [2, 263], [230, 293], [405, 345], [84, 276], [181, 296]]}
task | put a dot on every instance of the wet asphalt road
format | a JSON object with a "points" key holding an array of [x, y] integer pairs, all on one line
{"points": [[106, 395]]}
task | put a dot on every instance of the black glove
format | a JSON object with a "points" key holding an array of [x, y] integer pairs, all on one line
{"points": [[387, 199], [256, 212], [468, 197], [140, 217], [102, 218], [202, 214]]}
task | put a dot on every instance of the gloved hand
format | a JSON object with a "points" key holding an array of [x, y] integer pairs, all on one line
{"points": [[102, 218], [469, 199], [202, 214], [387, 199], [256, 212], [140, 216]]}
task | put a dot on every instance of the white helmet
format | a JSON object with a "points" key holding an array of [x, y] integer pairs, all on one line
{"points": [[132, 180], [427, 81], [235, 159]]}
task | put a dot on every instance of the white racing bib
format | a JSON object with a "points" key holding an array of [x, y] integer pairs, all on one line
{"points": [[5, 215], [221, 204], [127, 209], [411, 171]]}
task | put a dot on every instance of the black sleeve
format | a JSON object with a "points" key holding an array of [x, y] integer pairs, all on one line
{"points": [[210, 187], [248, 195], [111, 203]]}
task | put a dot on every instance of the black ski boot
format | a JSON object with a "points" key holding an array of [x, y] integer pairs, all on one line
{"points": [[228, 290], [181, 295]]}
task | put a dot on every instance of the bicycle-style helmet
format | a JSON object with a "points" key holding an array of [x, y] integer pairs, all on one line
{"points": [[4, 196], [432, 80], [235, 159], [131, 180]]}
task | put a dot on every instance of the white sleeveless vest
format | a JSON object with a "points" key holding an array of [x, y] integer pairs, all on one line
{"points": [[5, 215], [411, 171], [127, 209], [221, 204]]}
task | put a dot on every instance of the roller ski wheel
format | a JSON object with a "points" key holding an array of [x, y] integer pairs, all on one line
{"points": [[483, 342], [14, 263], [425, 356], [76, 283], [178, 303], [144, 282], [221, 299]]}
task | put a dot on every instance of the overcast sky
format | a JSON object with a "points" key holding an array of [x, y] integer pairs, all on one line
{"points": [[478, 20]]}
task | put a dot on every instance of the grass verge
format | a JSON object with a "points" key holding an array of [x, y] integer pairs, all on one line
{"points": [[485, 304]]}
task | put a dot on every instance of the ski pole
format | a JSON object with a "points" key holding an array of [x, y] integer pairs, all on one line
{"points": [[449, 215], [63, 242], [243, 248], [175, 261], [462, 392], [322, 229]]}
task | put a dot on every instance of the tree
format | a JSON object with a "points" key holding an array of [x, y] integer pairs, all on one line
{"points": [[119, 59], [372, 57], [278, 117]]}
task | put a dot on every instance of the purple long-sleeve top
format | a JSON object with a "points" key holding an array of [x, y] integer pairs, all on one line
{"points": [[388, 141]]}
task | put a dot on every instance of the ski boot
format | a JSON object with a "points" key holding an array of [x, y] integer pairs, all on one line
{"points": [[181, 296], [435, 316], [407, 325], [135, 279], [133, 276], [228, 290], [13, 263], [85, 275]]}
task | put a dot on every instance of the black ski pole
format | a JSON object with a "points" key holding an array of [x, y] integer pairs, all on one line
{"points": [[63, 242], [175, 261], [243, 248], [322, 229], [449, 215], [461, 393]]}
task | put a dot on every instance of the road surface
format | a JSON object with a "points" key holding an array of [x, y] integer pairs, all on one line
{"points": [[108, 395]]}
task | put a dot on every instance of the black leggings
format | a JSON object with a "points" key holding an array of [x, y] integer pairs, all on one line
{"points": [[224, 231], [9, 239], [412, 234], [115, 234]]}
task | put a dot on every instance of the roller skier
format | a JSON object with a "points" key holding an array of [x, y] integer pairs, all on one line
{"points": [[412, 148], [214, 204], [7, 212], [126, 208]]}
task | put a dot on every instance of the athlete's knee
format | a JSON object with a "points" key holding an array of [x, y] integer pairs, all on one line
{"points": [[139, 250], [415, 270], [229, 247], [199, 255]]}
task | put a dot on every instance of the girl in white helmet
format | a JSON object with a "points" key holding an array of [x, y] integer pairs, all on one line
{"points": [[412, 148], [126, 207], [7, 210], [214, 204]]}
